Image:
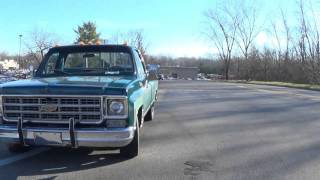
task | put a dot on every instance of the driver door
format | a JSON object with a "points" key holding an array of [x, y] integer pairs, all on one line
{"points": [[142, 73]]}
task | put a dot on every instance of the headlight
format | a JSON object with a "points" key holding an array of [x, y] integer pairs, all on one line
{"points": [[116, 108]]}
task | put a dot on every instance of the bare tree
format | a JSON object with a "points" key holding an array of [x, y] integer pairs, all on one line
{"points": [[135, 38], [307, 44], [277, 36], [138, 40], [287, 35], [223, 26], [247, 30], [117, 38], [282, 35], [38, 42], [313, 43]]}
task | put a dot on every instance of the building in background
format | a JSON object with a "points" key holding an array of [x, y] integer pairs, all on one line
{"points": [[179, 72]]}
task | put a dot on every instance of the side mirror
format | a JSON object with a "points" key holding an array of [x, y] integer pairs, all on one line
{"points": [[152, 76]]}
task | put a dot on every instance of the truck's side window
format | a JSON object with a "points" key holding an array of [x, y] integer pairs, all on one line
{"points": [[51, 64], [140, 68]]}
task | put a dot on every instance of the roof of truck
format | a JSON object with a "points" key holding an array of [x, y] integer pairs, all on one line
{"points": [[92, 47]]}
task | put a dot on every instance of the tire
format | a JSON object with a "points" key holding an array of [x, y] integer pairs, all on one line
{"points": [[132, 149], [17, 148], [150, 115]]}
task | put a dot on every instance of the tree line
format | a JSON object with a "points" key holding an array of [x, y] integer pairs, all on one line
{"points": [[294, 55]]}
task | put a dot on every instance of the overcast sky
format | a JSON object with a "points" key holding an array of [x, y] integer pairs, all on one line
{"points": [[171, 27]]}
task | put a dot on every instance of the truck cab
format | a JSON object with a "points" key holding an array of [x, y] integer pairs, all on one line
{"points": [[80, 96]]}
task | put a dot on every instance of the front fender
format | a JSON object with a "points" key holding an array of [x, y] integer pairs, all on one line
{"points": [[135, 101]]}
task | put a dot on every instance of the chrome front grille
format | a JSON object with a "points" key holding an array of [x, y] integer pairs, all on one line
{"points": [[53, 109]]}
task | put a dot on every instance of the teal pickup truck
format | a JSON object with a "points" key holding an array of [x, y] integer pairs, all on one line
{"points": [[80, 96]]}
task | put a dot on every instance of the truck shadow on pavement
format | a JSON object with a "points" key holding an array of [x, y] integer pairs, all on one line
{"points": [[60, 160]]}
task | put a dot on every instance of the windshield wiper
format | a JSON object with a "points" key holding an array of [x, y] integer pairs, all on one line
{"points": [[105, 71], [111, 72], [59, 71]]}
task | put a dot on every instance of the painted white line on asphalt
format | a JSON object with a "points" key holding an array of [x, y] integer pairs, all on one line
{"points": [[54, 169], [312, 97], [19, 157], [195, 90], [88, 163], [273, 91], [315, 98]]}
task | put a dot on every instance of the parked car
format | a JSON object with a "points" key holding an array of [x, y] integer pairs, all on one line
{"points": [[161, 77], [81, 96], [5, 78]]}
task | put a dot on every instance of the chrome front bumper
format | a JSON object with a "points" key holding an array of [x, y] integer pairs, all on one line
{"points": [[77, 137]]}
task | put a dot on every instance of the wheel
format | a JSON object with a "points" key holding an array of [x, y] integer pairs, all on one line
{"points": [[150, 115], [132, 149], [17, 148]]}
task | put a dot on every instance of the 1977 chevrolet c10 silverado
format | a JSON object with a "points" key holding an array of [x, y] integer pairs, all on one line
{"points": [[80, 96]]}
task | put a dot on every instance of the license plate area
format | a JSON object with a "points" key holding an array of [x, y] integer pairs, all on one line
{"points": [[47, 138]]}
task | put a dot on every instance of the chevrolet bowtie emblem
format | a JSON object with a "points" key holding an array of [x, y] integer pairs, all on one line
{"points": [[48, 108]]}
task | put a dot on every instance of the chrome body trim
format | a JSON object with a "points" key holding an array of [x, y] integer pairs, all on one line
{"points": [[103, 111], [101, 119], [84, 137]]}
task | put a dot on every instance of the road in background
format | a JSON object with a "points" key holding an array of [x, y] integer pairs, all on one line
{"points": [[202, 130]]}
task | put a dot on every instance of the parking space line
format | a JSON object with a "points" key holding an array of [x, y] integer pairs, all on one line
{"points": [[55, 169], [19, 157], [286, 92]]}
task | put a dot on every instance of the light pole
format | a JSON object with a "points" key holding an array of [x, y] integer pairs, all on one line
{"points": [[19, 58]]}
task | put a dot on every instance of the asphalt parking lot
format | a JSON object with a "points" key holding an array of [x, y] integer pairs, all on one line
{"points": [[202, 130]]}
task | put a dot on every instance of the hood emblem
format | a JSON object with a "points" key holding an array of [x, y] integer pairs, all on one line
{"points": [[49, 108]]}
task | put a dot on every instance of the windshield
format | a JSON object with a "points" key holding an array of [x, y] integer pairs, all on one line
{"points": [[87, 63]]}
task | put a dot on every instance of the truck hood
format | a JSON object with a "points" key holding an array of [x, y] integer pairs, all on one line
{"points": [[91, 85]]}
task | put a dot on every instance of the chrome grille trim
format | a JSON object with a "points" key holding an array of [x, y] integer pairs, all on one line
{"points": [[86, 109]]}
